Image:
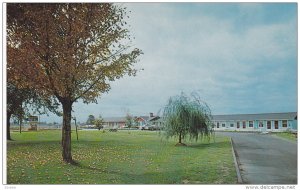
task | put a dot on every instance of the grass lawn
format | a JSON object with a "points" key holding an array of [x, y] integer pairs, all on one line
{"points": [[141, 157], [286, 135]]}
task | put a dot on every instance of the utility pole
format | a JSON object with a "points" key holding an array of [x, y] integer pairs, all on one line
{"points": [[20, 123], [74, 118], [20, 120]]}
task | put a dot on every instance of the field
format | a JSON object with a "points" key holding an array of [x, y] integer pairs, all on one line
{"points": [[287, 135], [138, 157]]}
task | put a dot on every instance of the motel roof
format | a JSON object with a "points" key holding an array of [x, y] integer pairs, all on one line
{"points": [[259, 116], [114, 119], [122, 119], [145, 118]]}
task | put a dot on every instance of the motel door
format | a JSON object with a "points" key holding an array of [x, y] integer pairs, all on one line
{"points": [[268, 124], [276, 124]]}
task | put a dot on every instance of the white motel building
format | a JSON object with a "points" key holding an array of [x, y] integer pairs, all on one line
{"points": [[264, 122]]}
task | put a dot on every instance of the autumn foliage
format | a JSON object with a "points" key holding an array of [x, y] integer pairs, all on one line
{"points": [[68, 51]]}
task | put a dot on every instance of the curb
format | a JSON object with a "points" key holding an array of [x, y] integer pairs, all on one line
{"points": [[237, 169]]}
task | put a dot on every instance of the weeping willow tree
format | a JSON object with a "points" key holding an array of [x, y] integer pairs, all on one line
{"points": [[187, 116]]}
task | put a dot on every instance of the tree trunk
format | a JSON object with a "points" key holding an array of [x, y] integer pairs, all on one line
{"points": [[180, 138], [66, 132], [8, 137]]}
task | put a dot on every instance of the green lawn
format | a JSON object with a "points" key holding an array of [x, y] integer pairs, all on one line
{"points": [[141, 157], [287, 135]]}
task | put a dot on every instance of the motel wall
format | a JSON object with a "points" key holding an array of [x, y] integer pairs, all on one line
{"points": [[263, 125]]}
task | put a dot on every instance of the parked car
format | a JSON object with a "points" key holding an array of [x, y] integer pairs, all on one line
{"points": [[153, 128], [144, 127]]}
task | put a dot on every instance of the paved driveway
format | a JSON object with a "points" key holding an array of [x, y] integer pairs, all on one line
{"points": [[265, 159]]}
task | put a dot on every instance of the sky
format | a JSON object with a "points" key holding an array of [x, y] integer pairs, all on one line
{"points": [[239, 57]]}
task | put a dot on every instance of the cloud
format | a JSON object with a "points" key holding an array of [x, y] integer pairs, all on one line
{"points": [[238, 59]]}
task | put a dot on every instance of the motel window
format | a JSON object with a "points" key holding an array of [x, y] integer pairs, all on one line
{"points": [[231, 125], [250, 123], [284, 123], [268, 124], [244, 124], [261, 124], [223, 124], [276, 124], [218, 124], [237, 124]]}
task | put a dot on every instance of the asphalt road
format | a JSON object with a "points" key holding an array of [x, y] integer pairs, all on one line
{"points": [[265, 159]]}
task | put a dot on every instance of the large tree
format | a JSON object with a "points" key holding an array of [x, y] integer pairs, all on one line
{"points": [[70, 51], [187, 116]]}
